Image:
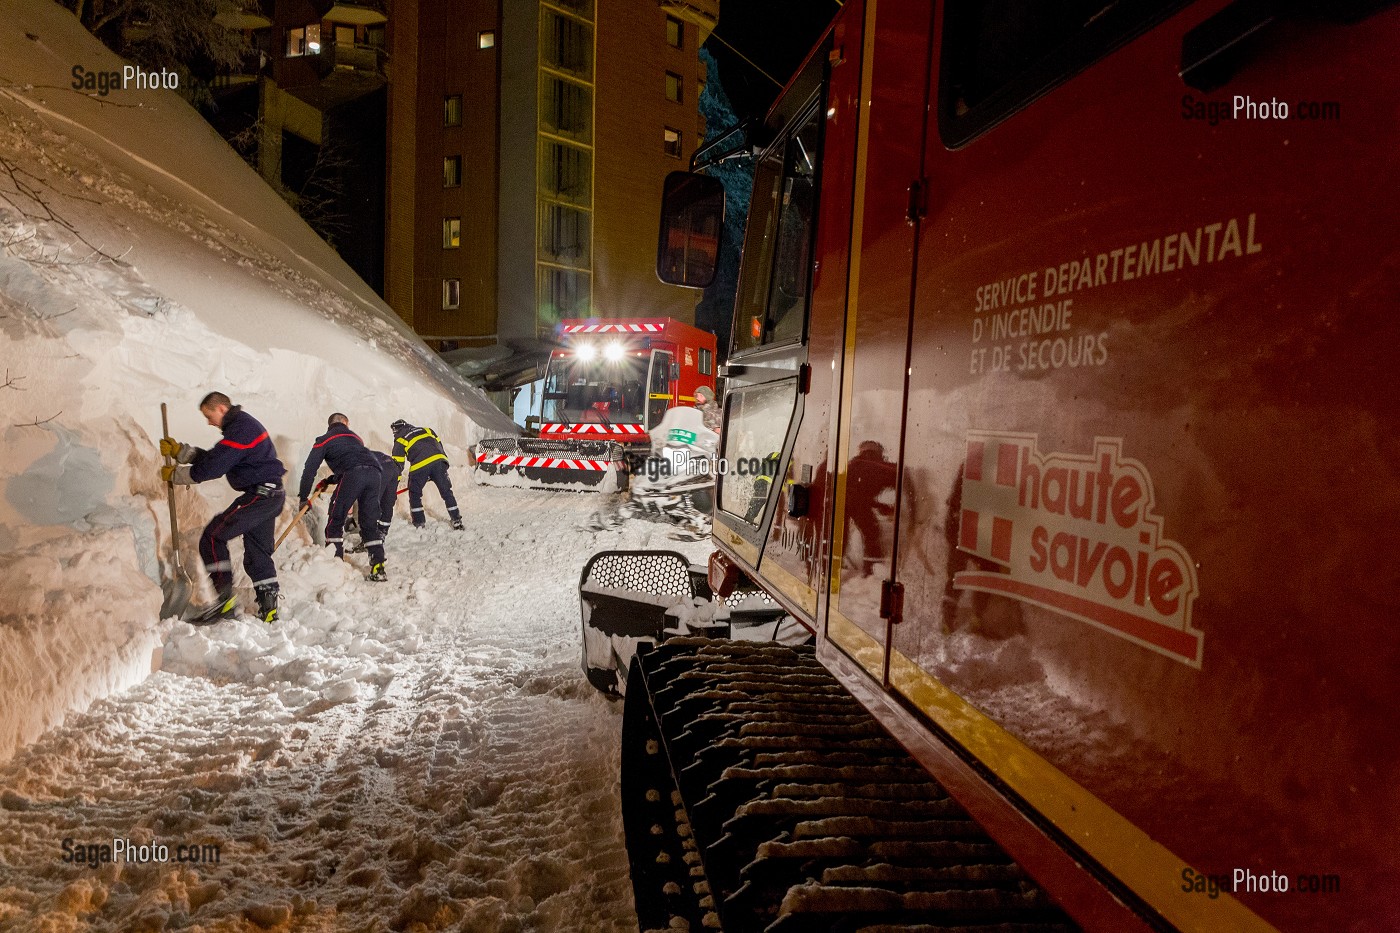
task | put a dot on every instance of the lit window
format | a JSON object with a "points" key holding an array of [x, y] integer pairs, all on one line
{"points": [[673, 142], [304, 40], [675, 32], [486, 39], [451, 232], [451, 294], [451, 171], [452, 110], [673, 86]]}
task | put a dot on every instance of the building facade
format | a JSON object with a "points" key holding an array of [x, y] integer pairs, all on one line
{"points": [[528, 143]]}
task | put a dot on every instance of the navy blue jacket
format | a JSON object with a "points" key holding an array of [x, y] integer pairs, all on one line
{"points": [[390, 467], [341, 449], [246, 455]]}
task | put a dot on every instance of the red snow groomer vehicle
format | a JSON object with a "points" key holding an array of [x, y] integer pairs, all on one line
{"points": [[610, 381]]}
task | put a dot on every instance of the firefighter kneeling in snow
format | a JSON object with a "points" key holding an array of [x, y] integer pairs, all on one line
{"points": [[422, 449], [359, 480], [248, 458]]}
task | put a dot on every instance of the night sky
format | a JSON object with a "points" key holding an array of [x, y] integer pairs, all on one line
{"points": [[776, 35]]}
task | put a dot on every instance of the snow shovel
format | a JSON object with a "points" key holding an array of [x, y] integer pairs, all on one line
{"points": [[177, 588], [301, 512]]}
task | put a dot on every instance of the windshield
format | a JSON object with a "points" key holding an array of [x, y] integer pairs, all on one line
{"points": [[598, 390]]}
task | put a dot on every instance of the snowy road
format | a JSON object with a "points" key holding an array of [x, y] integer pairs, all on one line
{"points": [[422, 754]]}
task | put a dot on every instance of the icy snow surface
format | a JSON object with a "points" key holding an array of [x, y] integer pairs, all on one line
{"points": [[418, 754]]}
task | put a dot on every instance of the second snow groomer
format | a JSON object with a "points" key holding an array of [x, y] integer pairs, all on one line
{"points": [[359, 480], [247, 457]]}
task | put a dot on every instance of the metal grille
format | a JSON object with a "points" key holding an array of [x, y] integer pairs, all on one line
{"points": [[662, 573], [743, 594]]}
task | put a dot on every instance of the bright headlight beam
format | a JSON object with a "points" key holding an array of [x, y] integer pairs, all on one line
{"points": [[613, 352], [586, 351]]}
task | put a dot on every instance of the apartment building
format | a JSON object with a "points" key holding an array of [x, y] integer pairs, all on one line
{"points": [[528, 142]]}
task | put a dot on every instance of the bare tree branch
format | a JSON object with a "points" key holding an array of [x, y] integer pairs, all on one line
{"points": [[37, 423], [10, 382]]}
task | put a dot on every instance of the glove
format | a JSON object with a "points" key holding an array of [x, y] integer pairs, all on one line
{"points": [[177, 473], [183, 453], [328, 481]]}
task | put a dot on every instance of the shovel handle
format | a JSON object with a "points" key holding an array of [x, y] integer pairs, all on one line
{"points": [[170, 495], [293, 523]]}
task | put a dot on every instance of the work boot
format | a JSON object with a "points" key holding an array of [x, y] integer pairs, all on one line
{"points": [[268, 594], [377, 574], [224, 607]]}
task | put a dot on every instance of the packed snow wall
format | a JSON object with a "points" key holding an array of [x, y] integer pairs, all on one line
{"points": [[142, 261]]}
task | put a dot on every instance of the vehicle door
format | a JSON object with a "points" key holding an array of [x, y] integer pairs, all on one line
{"points": [[659, 395], [1151, 437]]}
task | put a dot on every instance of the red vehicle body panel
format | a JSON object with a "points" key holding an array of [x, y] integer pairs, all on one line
{"points": [[1099, 437]]}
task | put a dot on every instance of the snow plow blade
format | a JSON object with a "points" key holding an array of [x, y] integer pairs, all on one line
{"points": [[540, 463]]}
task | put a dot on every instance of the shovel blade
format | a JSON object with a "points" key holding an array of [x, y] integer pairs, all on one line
{"points": [[177, 592]]}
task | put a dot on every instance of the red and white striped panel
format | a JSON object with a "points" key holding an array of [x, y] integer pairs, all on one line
{"points": [[612, 328], [610, 430], [548, 463]]}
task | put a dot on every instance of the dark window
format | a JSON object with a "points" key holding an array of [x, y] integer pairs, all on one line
{"points": [[772, 297], [565, 172], [451, 294], [999, 55], [566, 108], [566, 44], [673, 86], [564, 235], [452, 110], [451, 171], [707, 360]]}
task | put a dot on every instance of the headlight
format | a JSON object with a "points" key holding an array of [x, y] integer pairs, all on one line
{"points": [[586, 352], [613, 352]]}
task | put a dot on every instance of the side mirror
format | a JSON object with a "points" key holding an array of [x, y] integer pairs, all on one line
{"points": [[692, 218]]}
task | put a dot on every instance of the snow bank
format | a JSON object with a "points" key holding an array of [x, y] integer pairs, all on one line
{"points": [[141, 261]]}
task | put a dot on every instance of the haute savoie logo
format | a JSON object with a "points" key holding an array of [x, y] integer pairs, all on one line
{"points": [[1078, 535]]}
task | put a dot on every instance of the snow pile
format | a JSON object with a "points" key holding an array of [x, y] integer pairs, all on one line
{"points": [[420, 754], [141, 261]]}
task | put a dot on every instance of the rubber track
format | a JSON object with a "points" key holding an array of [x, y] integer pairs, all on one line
{"points": [[759, 796]]}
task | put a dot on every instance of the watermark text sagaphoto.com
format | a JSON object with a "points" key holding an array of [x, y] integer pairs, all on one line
{"points": [[1244, 107], [1244, 881], [130, 78], [96, 854]]}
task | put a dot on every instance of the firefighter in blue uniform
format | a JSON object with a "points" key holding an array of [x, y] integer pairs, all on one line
{"points": [[422, 449], [388, 490], [358, 480], [247, 457]]}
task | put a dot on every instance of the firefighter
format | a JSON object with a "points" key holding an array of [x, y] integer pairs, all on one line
{"points": [[358, 480], [247, 457], [709, 409], [422, 449], [388, 490]]}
